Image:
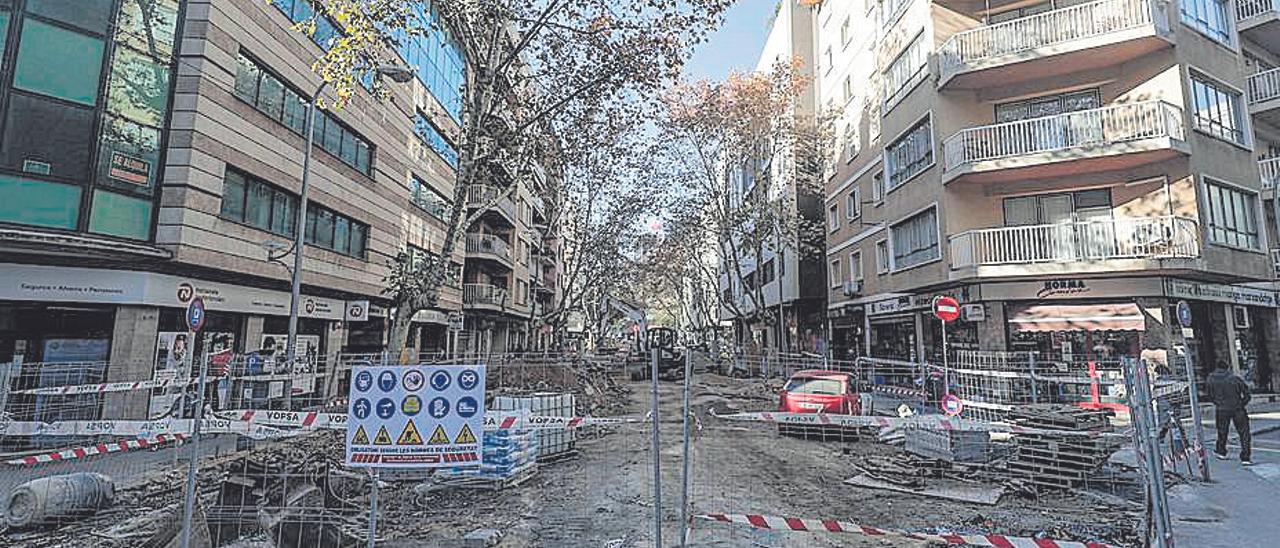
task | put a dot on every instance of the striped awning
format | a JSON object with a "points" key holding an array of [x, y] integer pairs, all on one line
{"points": [[1078, 317]]}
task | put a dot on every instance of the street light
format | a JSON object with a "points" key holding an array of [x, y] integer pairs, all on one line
{"points": [[396, 73]]}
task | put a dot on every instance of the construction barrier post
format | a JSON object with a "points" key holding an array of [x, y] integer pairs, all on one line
{"points": [[657, 461], [1201, 455], [373, 507], [193, 465], [1147, 440], [684, 474]]}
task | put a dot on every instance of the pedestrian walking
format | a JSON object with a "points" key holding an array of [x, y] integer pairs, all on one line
{"points": [[1230, 396]]}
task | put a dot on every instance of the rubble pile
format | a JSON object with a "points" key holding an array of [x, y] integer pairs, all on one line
{"points": [[598, 392]]}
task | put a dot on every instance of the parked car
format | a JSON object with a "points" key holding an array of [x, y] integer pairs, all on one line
{"points": [[814, 391], [819, 391]]}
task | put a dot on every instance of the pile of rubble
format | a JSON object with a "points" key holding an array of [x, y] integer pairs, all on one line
{"points": [[593, 384]]}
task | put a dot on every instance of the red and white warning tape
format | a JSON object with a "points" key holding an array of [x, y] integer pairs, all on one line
{"points": [[835, 526], [493, 420], [99, 449], [103, 388], [921, 421]]}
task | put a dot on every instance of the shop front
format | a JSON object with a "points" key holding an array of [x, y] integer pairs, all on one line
{"points": [[893, 328]]}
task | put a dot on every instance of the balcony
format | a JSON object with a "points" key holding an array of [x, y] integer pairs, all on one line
{"points": [[488, 246], [1081, 37], [485, 296], [479, 196], [1123, 244], [1270, 171], [1087, 141], [1264, 94], [1259, 22]]}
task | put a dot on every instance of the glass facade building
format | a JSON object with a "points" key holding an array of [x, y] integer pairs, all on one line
{"points": [[81, 146]]}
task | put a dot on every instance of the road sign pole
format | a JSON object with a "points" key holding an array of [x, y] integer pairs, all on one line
{"points": [[373, 507], [1201, 454], [946, 365], [684, 475]]}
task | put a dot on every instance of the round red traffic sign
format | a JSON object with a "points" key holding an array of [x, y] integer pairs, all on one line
{"points": [[946, 308], [951, 405]]}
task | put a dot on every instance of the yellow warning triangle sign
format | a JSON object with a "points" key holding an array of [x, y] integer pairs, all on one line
{"points": [[382, 438], [361, 437], [439, 437], [410, 435], [465, 436]]}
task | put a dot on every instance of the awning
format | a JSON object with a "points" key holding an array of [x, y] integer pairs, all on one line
{"points": [[1082, 317]]}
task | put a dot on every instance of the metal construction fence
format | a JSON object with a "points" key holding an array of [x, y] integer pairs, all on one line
{"points": [[625, 451]]}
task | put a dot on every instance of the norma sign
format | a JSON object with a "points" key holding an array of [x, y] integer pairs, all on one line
{"points": [[195, 314], [951, 405], [423, 416], [946, 308], [1184, 314]]}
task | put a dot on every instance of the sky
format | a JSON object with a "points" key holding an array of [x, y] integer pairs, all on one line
{"points": [[737, 44]]}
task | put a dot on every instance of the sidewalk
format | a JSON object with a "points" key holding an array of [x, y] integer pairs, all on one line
{"points": [[1238, 507]]}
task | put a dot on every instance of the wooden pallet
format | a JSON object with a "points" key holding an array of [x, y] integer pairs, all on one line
{"points": [[489, 484]]}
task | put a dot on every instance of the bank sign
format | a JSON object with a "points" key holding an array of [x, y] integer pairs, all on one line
{"points": [[422, 416], [1234, 294]]}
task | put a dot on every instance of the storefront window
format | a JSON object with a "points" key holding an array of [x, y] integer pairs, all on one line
{"points": [[894, 338], [77, 56]]}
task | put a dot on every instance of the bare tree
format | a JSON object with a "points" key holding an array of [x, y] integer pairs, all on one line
{"points": [[534, 68], [740, 155]]}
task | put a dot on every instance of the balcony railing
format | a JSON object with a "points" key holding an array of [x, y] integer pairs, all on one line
{"points": [[488, 243], [1050, 28], [1246, 9], [484, 294], [1086, 128], [1264, 86], [1100, 240], [480, 195], [1270, 170]]}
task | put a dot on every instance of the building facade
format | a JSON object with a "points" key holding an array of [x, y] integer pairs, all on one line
{"points": [[163, 159], [785, 278], [1069, 170]]}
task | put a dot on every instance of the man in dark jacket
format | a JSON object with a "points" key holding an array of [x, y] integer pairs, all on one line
{"points": [[1230, 396]]}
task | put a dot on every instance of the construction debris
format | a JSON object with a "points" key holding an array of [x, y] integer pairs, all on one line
{"points": [[972, 446], [47, 500], [1051, 461]]}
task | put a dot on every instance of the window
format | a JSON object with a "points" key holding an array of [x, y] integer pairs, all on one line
{"points": [[890, 11], [48, 138], [251, 201], [272, 97], [828, 60], [855, 266], [78, 59], [909, 69], [877, 188], [833, 217], [834, 274], [845, 35], [851, 140], [431, 136], [767, 272], [1232, 216], [882, 257], [303, 10], [853, 205], [910, 155], [846, 91], [426, 198], [1216, 109], [436, 58], [1049, 105], [915, 240], [522, 292], [1211, 17]]}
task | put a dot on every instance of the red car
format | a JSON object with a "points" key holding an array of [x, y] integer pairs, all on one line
{"points": [[814, 391]]}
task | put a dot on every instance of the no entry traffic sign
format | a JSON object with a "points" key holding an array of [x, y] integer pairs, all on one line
{"points": [[946, 308], [951, 405]]}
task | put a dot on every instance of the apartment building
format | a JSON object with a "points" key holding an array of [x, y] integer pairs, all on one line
{"points": [[788, 278], [1069, 170], [162, 159]]}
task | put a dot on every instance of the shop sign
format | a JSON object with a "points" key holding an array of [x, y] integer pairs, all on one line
{"points": [[89, 285], [129, 169], [357, 311], [973, 313], [890, 306], [1249, 296], [1076, 288]]}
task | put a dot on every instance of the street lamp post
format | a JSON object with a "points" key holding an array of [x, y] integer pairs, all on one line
{"points": [[396, 73]]}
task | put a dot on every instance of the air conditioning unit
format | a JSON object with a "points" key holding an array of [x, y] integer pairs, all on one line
{"points": [[1240, 315], [852, 288]]}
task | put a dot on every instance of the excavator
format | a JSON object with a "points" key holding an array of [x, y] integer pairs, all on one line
{"points": [[662, 339]]}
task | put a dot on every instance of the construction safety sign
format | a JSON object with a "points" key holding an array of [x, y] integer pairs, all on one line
{"points": [[418, 416]]}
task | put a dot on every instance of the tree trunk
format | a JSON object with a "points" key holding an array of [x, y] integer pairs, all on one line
{"points": [[400, 329]]}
